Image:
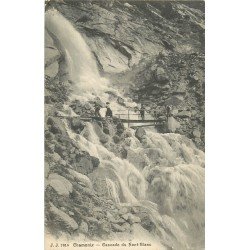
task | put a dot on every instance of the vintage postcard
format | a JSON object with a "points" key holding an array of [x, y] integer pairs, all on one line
{"points": [[124, 124]]}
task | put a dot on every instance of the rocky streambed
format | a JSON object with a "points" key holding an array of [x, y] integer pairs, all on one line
{"points": [[104, 181]]}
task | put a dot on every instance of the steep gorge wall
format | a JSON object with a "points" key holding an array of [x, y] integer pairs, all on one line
{"points": [[84, 164], [154, 51]]}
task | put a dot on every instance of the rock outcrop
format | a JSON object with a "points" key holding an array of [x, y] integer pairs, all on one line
{"points": [[155, 53]]}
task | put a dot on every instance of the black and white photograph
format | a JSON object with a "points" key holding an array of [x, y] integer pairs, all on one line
{"points": [[124, 124]]}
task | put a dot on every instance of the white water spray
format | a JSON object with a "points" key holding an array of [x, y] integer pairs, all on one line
{"points": [[82, 67], [171, 175]]}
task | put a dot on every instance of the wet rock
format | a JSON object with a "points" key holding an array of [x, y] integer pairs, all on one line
{"points": [[123, 210], [116, 139], [134, 219], [98, 101], [71, 213], [46, 169], [49, 148], [95, 161], [81, 178], [83, 164], [139, 133], [104, 226], [60, 149], [120, 128], [92, 220], [135, 210], [77, 125], [154, 154], [83, 228], [106, 130], [104, 138], [161, 74], [88, 106], [48, 135], [186, 155], [184, 114], [147, 222], [63, 218], [127, 134], [126, 226], [117, 228], [56, 126], [125, 217], [121, 101], [196, 133], [60, 184], [130, 218], [56, 157], [124, 153]]}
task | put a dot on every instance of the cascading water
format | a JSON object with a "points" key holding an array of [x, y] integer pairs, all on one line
{"points": [[164, 173], [81, 64]]}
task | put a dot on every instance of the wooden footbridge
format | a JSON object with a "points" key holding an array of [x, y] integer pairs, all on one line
{"points": [[124, 118]]}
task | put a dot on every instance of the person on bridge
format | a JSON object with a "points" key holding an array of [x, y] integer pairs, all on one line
{"points": [[97, 110], [169, 111], [142, 112], [109, 112], [172, 124]]}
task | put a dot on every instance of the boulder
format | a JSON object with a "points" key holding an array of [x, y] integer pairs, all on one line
{"points": [[131, 218], [83, 228], [95, 161], [98, 101], [56, 126], [120, 128], [104, 138], [83, 164], [87, 106], [49, 148], [81, 178], [116, 139], [117, 228], [161, 75], [56, 157], [139, 133], [46, 170], [63, 218], [134, 219], [92, 220], [153, 154], [184, 114], [173, 101], [121, 101], [123, 210], [104, 226], [77, 125], [60, 184], [125, 216], [196, 133]]}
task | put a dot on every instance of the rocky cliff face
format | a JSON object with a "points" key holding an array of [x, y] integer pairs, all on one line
{"points": [[97, 174], [157, 49], [121, 34]]}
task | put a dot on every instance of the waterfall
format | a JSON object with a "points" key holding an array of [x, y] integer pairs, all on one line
{"points": [[165, 173], [82, 66]]}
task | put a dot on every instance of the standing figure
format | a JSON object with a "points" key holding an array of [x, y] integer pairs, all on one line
{"points": [[97, 110], [108, 111], [169, 112], [142, 112], [172, 124]]}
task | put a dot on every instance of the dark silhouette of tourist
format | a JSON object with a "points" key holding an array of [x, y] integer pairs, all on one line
{"points": [[169, 111], [109, 112], [142, 112], [97, 110]]}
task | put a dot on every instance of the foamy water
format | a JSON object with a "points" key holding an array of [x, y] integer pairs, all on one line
{"points": [[164, 174]]}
